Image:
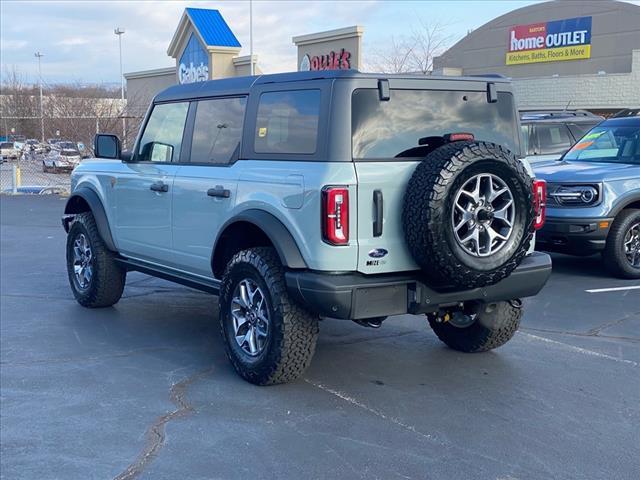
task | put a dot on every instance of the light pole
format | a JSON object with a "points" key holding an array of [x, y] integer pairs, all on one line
{"points": [[39, 56], [119, 32], [253, 70]]}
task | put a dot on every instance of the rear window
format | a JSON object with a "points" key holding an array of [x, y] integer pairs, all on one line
{"points": [[6, 145], [288, 122], [392, 129], [553, 138]]}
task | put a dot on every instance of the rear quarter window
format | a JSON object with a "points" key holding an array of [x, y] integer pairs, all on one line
{"points": [[287, 122], [392, 129]]}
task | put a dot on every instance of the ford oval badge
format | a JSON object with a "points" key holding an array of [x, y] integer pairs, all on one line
{"points": [[378, 253]]}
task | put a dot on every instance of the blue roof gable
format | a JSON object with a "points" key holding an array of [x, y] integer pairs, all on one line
{"points": [[212, 27]]}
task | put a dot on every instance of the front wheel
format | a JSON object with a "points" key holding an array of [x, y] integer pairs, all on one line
{"points": [[478, 329], [94, 276], [622, 251], [268, 338]]}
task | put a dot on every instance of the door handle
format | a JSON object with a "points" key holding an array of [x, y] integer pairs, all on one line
{"points": [[159, 187], [219, 191], [378, 217]]}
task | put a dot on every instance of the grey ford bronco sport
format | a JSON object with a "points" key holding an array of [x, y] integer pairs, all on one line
{"points": [[318, 194]]}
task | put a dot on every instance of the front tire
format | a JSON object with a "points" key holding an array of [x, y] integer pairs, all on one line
{"points": [[490, 326], [622, 251], [267, 337], [95, 278]]}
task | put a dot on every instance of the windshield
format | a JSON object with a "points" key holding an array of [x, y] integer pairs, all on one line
{"points": [[608, 143]]}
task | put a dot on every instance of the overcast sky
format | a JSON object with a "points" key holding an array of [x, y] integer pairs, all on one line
{"points": [[78, 42]]}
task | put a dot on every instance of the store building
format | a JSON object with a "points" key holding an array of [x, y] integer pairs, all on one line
{"points": [[559, 54], [203, 47]]}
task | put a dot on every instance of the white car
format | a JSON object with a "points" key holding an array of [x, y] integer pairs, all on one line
{"points": [[63, 160], [9, 151]]}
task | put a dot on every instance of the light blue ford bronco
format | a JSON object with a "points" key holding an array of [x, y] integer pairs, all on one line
{"points": [[300, 196]]}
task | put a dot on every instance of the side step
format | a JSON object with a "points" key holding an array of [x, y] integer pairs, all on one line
{"points": [[192, 281]]}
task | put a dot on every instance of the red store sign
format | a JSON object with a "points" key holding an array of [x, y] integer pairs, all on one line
{"points": [[332, 61]]}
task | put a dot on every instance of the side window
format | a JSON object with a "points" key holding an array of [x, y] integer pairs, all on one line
{"points": [[553, 139], [162, 138], [527, 145], [217, 130], [580, 129], [287, 122]]}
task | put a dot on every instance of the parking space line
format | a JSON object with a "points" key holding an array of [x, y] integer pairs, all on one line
{"points": [[580, 350], [612, 289], [377, 413]]}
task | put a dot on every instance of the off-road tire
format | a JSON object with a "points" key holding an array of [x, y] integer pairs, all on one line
{"points": [[293, 331], [428, 204], [613, 255], [495, 325], [108, 279]]}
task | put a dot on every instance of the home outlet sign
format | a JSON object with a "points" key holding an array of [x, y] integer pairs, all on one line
{"points": [[194, 63], [340, 60]]}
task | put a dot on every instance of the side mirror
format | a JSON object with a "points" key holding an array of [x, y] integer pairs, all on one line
{"points": [[106, 146], [126, 155], [161, 152]]}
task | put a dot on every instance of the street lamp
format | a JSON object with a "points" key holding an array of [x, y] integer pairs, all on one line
{"points": [[119, 32], [253, 68], [39, 56]]}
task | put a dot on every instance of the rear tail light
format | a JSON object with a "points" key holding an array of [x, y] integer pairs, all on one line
{"points": [[335, 215], [539, 203]]}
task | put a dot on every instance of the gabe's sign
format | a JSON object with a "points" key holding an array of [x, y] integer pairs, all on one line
{"points": [[568, 39], [194, 63], [332, 61]]}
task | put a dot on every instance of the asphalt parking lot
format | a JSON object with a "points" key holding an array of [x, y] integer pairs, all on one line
{"points": [[143, 389]]}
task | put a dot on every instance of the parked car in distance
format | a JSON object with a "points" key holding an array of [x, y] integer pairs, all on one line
{"points": [[9, 151], [593, 199], [303, 195], [549, 134], [34, 146], [64, 157]]}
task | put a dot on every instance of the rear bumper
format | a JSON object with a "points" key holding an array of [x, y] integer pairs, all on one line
{"points": [[357, 296], [574, 236]]}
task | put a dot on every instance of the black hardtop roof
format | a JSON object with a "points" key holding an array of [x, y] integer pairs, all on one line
{"points": [[242, 85]]}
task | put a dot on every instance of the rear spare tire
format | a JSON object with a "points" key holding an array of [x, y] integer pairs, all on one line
{"points": [[468, 214]]}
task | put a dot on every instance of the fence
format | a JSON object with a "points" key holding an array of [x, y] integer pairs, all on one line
{"points": [[26, 174], [33, 172]]}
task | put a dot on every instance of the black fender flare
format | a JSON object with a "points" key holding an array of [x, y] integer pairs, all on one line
{"points": [[280, 237], [97, 209], [623, 203]]}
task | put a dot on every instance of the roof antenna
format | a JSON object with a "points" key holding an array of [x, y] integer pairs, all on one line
{"points": [[567, 107]]}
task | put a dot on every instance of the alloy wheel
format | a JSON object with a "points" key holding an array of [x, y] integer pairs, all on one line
{"points": [[631, 245], [250, 317], [82, 261], [483, 215]]}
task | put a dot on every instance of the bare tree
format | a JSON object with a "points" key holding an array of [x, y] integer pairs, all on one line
{"points": [[73, 112], [395, 58], [429, 40], [413, 52]]}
